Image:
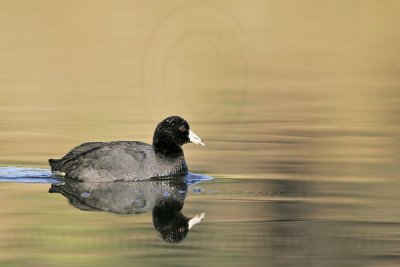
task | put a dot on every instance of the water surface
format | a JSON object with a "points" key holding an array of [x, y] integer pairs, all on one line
{"points": [[298, 104]]}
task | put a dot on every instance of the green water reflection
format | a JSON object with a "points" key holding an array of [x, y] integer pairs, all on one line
{"points": [[255, 222]]}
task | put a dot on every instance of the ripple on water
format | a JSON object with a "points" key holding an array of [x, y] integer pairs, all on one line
{"points": [[41, 175]]}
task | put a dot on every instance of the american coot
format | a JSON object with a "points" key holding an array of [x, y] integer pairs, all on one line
{"points": [[130, 160]]}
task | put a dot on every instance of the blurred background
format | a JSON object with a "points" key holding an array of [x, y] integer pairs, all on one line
{"points": [[295, 90], [270, 85]]}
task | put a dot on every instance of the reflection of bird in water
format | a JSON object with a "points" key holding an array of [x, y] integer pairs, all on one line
{"points": [[165, 198], [170, 222]]}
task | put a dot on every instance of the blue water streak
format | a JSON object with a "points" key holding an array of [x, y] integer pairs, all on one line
{"points": [[27, 175], [41, 175]]}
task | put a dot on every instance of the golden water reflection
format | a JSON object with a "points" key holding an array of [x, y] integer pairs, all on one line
{"points": [[275, 88]]}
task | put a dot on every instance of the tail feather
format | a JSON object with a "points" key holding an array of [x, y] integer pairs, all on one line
{"points": [[54, 164]]}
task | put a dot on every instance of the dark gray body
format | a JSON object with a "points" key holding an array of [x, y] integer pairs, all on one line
{"points": [[116, 161]]}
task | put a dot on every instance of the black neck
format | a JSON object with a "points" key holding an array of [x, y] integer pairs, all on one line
{"points": [[167, 149]]}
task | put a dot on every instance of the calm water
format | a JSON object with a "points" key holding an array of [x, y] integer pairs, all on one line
{"points": [[298, 103]]}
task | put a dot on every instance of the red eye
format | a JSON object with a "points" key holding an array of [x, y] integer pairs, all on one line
{"points": [[182, 128]]}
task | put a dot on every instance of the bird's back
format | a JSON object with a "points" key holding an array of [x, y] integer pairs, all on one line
{"points": [[119, 160]]}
